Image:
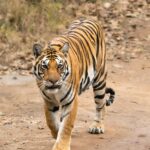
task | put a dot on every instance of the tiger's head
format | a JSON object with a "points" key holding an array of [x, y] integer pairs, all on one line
{"points": [[51, 67]]}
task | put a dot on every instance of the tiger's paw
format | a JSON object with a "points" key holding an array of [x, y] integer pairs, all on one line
{"points": [[96, 128], [60, 147]]}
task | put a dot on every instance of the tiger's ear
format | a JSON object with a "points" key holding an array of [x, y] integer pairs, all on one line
{"points": [[37, 49], [65, 48]]}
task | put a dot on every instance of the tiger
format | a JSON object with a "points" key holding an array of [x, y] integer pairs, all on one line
{"points": [[64, 68]]}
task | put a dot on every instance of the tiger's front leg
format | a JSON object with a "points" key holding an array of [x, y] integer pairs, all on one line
{"points": [[68, 116], [51, 117]]}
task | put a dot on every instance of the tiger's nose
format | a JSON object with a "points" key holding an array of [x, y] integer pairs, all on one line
{"points": [[53, 81]]}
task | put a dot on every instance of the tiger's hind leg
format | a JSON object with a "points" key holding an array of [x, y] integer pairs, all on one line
{"points": [[99, 87]]}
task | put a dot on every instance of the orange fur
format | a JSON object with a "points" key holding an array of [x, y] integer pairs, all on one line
{"points": [[67, 66]]}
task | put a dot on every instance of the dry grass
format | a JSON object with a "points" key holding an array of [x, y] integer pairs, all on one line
{"points": [[28, 16], [24, 21]]}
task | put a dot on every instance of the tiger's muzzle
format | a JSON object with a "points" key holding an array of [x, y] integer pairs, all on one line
{"points": [[52, 87]]}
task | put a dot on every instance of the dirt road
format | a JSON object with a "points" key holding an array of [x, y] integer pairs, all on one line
{"points": [[22, 121]]}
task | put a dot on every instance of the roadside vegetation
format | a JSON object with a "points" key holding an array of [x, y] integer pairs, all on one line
{"points": [[23, 22]]}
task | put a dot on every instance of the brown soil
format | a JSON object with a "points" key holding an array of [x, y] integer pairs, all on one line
{"points": [[22, 121]]}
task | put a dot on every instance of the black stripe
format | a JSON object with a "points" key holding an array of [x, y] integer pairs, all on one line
{"points": [[66, 74], [56, 45], [110, 90], [51, 55], [39, 59], [45, 95], [86, 54], [86, 74], [97, 43], [68, 103], [79, 55], [75, 44], [62, 117], [67, 93], [95, 79], [76, 35], [100, 96], [87, 43], [81, 50], [90, 28], [89, 48], [111, 97], [86, 33], [65, 105], [80, 89], [93, 24], [71, 44], [56, 108], [38, 67], [83, 38], [87, 83], [99, 84], [101, 87], [89, 32]]}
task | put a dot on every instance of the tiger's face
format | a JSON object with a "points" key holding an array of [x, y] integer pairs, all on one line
{"points": [[51, 67]]}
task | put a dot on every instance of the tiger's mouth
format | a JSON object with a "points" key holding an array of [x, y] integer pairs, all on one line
{"points": [[53, 87]]}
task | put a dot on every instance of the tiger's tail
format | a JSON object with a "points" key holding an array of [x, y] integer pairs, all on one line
{"points": [[111, 93]]}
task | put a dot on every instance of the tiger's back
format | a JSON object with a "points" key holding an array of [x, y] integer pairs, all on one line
{"points": [[87, 49]]}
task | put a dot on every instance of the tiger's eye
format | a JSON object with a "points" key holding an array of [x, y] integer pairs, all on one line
{"points": [[60, 66], [45, 64]]}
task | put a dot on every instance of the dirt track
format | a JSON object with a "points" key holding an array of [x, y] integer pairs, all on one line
{"points": [[22, 121]]}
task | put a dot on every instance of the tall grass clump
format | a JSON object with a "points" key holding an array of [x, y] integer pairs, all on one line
{"points": [[30, 15], [24, 21]]}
